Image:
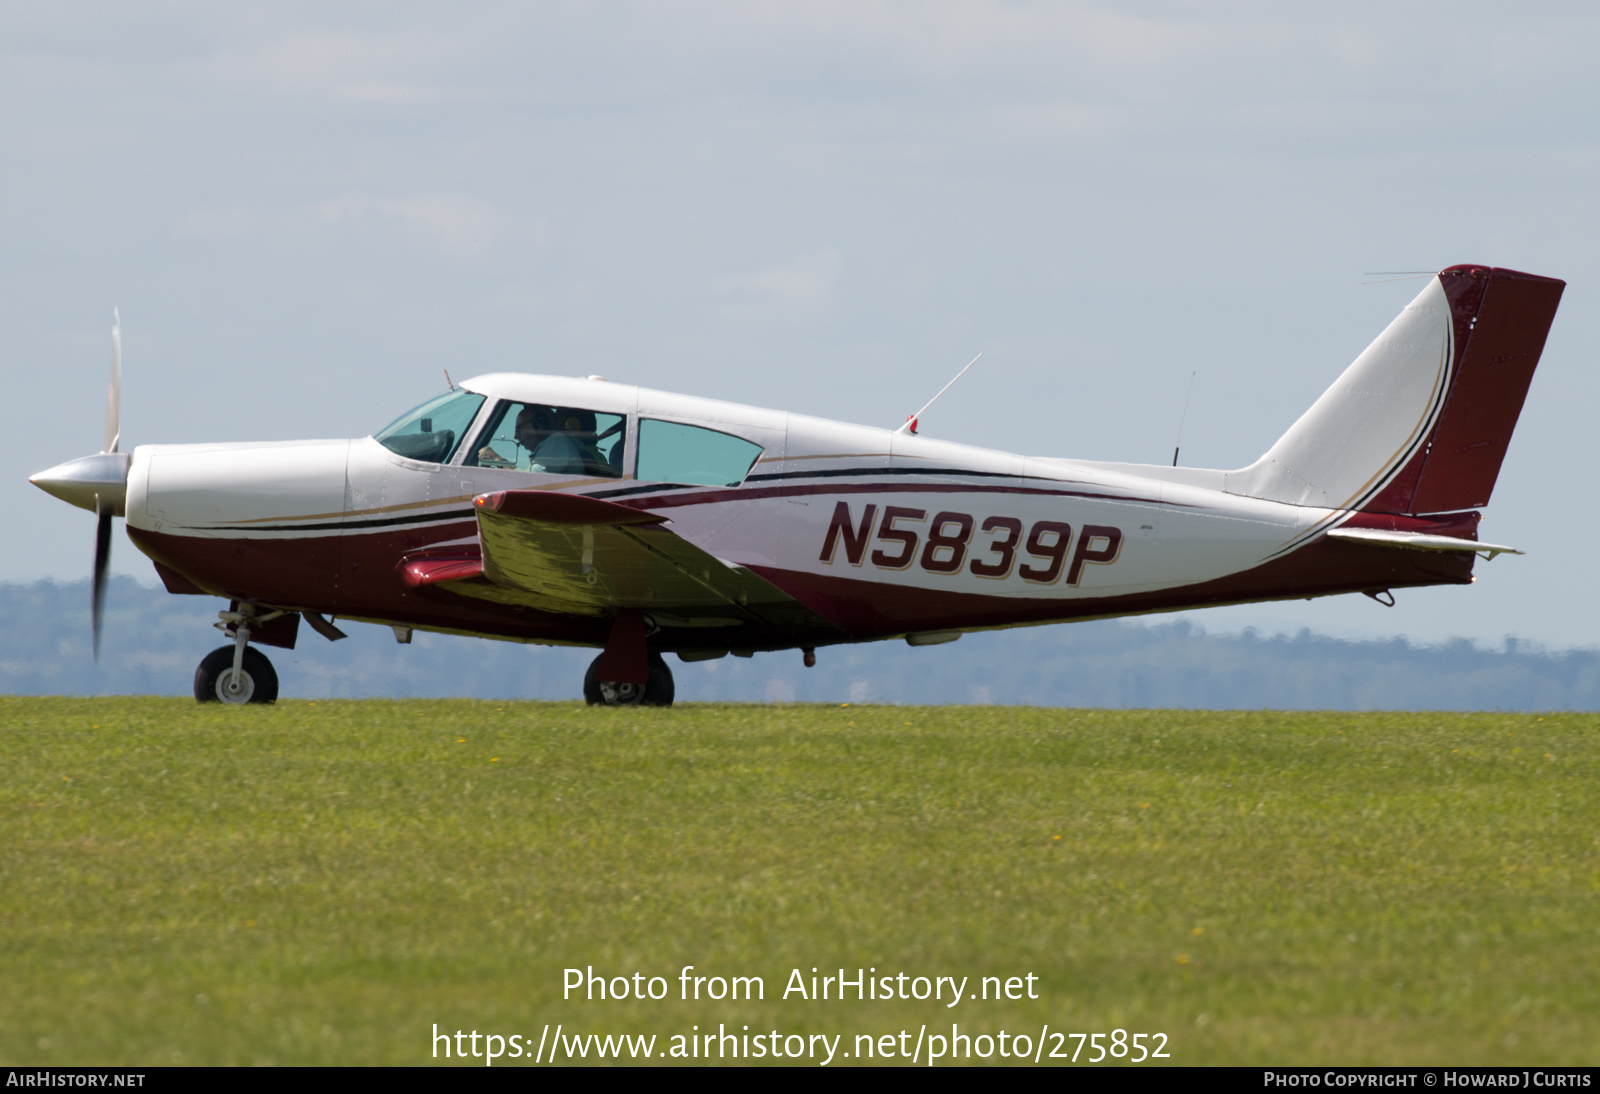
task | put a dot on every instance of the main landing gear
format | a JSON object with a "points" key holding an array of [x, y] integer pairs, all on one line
{"points": [[239, 673], [657, 690]]}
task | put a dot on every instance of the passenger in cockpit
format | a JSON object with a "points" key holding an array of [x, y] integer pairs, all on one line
{"points": [[581, 426], [553, 449]]}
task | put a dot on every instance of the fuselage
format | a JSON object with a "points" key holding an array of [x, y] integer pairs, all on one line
{"points": [[878, 533]]}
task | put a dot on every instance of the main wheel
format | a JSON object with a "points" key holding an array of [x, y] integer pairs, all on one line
{"points": [[214, 682], [658, 690]]}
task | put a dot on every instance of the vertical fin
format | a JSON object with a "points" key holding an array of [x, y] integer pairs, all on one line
{"points": [[1419, 423]]}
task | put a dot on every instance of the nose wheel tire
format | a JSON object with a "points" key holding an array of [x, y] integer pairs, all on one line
{"points": [[214, 681], [657, 691]]}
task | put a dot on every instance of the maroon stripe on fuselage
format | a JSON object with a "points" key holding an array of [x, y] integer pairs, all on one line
{"points": [[300, 573], [1322, 568]]}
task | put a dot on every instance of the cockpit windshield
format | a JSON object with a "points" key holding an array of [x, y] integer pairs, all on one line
{"points": [[433, 431]]}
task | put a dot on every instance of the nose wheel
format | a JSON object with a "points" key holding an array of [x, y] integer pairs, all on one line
{"points": [[657, 690], [217, 681], [240, 673]]}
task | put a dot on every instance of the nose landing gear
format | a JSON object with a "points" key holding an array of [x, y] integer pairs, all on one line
{"points": [[216, 680], [239, 673]]}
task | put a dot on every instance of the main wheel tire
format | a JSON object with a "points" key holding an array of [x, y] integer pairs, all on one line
{"points": [[258, 681], [658, 690]]}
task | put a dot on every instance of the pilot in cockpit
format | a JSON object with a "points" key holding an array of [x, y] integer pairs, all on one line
{"points": [[552, 440], [550, 449]]}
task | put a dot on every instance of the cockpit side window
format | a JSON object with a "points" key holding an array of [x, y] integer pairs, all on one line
{"points": [[433, 431], [693, 455], [551, 440]]}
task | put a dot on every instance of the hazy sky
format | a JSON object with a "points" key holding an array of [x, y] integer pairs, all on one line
{"points": [[305, 214]]}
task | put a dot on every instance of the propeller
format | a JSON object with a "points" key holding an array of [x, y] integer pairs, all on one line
{"points": [[98, 483], [103, 505]]}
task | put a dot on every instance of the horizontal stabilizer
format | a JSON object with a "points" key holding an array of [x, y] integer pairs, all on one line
{"points": [[1420, 541]]}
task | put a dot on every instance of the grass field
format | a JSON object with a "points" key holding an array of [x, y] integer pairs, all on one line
{"points": [[323, 882]]}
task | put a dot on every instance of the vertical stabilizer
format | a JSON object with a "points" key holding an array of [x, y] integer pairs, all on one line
{"points": [[1419, 423]]}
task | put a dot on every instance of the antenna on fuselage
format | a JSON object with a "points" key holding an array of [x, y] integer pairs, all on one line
{"points": [[449, 381], [1181, 418], [910, 425]]}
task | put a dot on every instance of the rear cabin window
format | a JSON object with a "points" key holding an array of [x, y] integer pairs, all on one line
{"points": [[433, 431], [551, 440], [693, 455]]}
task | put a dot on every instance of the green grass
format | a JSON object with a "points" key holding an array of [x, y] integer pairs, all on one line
{"points": [[322, 882]]}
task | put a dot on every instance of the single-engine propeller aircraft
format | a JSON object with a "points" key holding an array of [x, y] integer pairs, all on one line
{"points": [[581, 512]]}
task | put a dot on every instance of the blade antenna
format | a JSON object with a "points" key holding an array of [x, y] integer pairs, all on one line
{"points": [[910, 425], [1181, 419]]}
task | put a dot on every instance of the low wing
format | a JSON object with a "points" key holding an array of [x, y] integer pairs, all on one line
{"points": [[576, 555]]}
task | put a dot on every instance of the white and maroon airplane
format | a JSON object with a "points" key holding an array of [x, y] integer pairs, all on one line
{"points": [[582, 512]]}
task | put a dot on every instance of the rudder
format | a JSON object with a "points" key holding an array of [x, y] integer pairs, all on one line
{"points": [[1502, 318]]}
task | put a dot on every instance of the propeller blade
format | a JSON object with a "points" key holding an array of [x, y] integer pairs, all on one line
{"points": [[102, 563], [114, 394], [106, 505]]}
